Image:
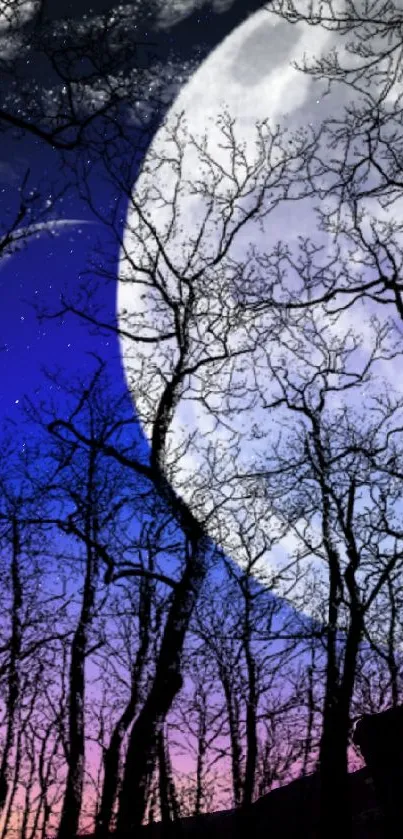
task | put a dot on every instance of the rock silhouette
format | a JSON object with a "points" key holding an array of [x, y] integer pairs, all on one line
{"points": [[380, 739], [291, 811]]}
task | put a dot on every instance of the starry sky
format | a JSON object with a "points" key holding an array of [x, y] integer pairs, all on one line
{"points": [[33, 277], [178, 35]]}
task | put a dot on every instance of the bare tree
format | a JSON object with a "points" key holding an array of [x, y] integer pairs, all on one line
{"points": [[14, 662], [90, 504], [150, 545], [245, 659], [16, 502], [177, 317], [234, 344], [81, 74], [321, 478], [33, 624], [355, 170]]}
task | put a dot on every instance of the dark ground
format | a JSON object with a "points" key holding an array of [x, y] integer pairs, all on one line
{"points": [[290, 811]]}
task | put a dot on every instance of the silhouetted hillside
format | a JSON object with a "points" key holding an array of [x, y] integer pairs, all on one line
{"points": [[290, 811]]}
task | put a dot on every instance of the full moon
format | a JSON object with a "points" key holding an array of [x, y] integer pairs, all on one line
{"points": [[245, 92]]}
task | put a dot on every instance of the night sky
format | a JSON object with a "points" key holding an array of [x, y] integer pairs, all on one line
{"points": [[70, 253], [58, 262], [32, 279]]}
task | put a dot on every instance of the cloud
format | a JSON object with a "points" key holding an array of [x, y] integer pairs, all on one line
{"points": [[172, 12], [16, 11]]}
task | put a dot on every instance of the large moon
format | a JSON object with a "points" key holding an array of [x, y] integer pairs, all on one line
{"points": [[215, 441]]}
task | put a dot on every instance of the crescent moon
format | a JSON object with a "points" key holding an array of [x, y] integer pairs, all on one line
{"points": [[251, 76]]}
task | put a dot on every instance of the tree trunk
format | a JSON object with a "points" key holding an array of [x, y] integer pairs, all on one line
{"points": [[141, 752], [112, 753], [310, 721], [168, 803], [201, 753], [163, 780], [335, 803], [391, 654], [72, 801], [251, 725], [236, 750], [13, 682], [335, 812], [111, 771]]}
